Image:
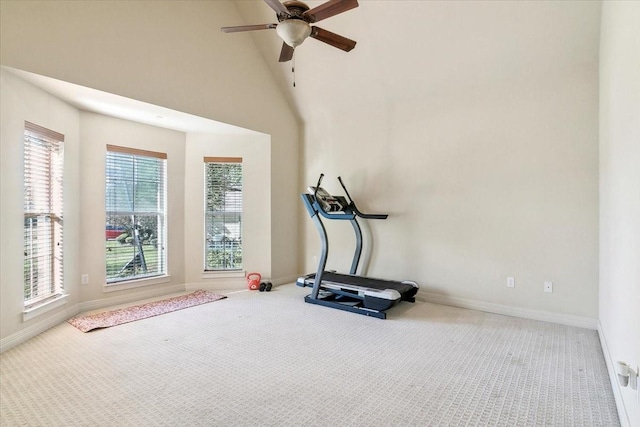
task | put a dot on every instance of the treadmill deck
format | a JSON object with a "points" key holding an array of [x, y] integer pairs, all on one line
{"points": [[407, 291]]}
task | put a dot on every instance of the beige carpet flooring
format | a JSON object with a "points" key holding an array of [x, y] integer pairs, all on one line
{"points": [[269, 359]]}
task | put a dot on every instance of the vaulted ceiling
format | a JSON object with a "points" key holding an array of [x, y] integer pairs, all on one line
{"points": [[410, 50], [416, 49]]}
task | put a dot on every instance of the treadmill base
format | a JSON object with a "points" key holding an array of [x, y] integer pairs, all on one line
{"points": [[346, 307]]}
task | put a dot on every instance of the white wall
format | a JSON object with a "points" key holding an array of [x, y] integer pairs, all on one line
{"points": [[620, 190], [491, 181], [256, 221], [19, 102], [172, 54], [96, 132], [87, 136]]}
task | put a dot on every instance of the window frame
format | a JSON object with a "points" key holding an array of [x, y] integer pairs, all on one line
{"points": [[145, 278], [43, 200], [236, 267]]}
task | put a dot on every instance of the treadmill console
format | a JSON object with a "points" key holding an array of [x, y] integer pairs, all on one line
{"points": [[328, 202]]}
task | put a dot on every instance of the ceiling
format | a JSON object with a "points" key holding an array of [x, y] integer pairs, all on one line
{"points": [[406, 50], [109, 104], [416, 49]]}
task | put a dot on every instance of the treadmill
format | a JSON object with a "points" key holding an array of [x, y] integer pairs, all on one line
{"points": [[348, 292]]}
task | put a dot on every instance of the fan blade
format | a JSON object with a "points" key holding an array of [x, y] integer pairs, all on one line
{"points": [[286, 53], [278, 7], [248, 28], [333, 39], [329, 9]]}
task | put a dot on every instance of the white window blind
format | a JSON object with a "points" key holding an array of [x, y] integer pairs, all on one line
{"points": [[223, 213], [135, 214], [43, 213]]}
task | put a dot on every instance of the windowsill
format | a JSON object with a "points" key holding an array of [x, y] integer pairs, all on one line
{"points": [[43, 307], [137, 283], [223, 274]]}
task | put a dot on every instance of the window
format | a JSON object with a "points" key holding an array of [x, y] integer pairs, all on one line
{"points": [[135, 214], [43, 224], [223, 213]]}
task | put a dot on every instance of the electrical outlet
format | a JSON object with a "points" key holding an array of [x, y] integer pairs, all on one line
{"points": [[548, 286], [511, 282], [85, 279]]}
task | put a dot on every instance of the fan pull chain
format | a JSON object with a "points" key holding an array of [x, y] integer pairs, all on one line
{"points": [[293, 68]]}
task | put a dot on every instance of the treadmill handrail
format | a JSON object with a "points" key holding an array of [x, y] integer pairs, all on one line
{"points": [[354, 208], [367, 216]]}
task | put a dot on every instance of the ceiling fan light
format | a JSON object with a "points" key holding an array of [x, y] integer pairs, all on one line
{"points": [[293, 31]]}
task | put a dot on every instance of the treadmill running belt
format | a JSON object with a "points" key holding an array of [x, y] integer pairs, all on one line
{"points": [[406, 290]]}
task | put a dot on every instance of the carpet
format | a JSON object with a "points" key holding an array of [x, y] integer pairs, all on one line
{"points": [[143, 311], [248, 360]]}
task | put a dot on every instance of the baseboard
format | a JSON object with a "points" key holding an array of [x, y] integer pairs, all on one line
{"points": [[285, 280], [38, 328], [64, 315], [617, 394], [226, 284], [507, 310], [233, 284], [132, 297]]}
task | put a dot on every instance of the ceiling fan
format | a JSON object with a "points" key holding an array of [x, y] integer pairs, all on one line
{"points": [[294, 24]]}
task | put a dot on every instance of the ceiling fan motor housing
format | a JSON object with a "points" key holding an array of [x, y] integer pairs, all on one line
{"points": [[296, 10], [294, 28]]}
